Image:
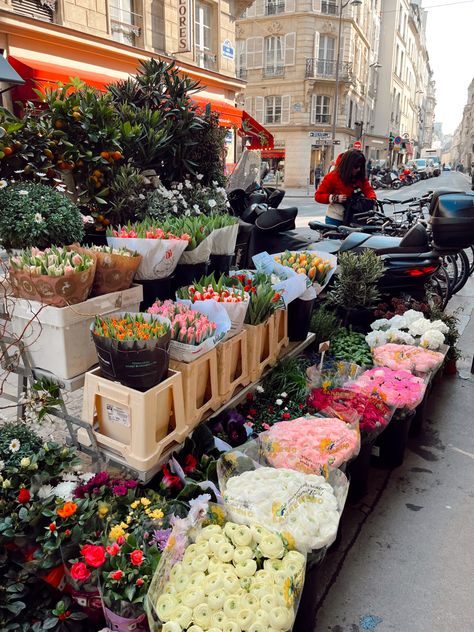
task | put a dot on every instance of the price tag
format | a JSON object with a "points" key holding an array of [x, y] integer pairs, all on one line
{"points": [[323, 347], [264, 262]]}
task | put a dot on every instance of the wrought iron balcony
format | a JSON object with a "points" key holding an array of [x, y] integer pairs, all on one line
{"points": [[126, 26], [273, 71], [330, 8], [206, 60], [326, 69]]}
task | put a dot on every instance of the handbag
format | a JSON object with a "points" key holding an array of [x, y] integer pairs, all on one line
{"points": [[356, 204]]}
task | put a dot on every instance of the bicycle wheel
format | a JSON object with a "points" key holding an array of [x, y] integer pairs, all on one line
{"points": [[450, 264], [470, 255], [462, 263], [439, 288]]}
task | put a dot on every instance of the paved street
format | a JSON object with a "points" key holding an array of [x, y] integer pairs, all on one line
{"points": [[309, 209]]}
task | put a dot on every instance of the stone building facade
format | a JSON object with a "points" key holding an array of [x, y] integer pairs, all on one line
{"points": [[463, 145]]}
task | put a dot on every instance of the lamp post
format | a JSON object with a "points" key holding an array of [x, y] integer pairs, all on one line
{"points": [[342, 5]]}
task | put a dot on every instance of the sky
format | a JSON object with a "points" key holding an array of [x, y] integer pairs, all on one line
{"points": [[450, 48]]}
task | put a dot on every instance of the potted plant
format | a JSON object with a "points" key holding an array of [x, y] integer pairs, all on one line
{"points": [[355, 292], [36, 215]]}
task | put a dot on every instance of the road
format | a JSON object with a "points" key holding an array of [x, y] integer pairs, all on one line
{"points": [[309, 209]]}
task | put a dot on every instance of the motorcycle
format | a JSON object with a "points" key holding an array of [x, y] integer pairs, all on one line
{"points": [[386, 179]]}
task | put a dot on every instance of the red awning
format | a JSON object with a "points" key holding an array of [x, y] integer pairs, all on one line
{"points": [[40, 75], [229, 115], [273, 153], [259, 135]]}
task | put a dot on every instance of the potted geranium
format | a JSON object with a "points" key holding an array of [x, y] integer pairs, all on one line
{"points": [[33, 214], [133, 348]]}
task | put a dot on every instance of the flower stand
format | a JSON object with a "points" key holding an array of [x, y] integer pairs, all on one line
{"points": [[281, 331], [200, 386], [136, 426], [389, 448], [232, 365], [358, 473], [260, 347]]}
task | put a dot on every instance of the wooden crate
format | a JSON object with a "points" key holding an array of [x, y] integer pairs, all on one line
{"points": [[200, 386], [281, 331], [260, 347], [138, 427], [232, 365]]}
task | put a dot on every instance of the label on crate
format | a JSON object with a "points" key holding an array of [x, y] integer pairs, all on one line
{"points": [[118, 415]]}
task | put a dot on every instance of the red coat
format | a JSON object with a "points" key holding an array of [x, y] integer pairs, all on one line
{"points": [[333, 185]]}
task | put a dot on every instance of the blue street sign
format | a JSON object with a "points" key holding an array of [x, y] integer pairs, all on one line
{"points": [[227, 49], [397, 140]]}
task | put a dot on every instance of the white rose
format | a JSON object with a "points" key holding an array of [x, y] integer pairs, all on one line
{"points": [[247, 568], [272, 546], [165, 606]]}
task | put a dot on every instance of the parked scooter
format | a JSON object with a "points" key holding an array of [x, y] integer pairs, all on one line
{"points": [[386, 179]]}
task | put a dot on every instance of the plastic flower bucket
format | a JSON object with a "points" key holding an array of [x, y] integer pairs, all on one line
{"points": [[139, 364], [126, 624]]}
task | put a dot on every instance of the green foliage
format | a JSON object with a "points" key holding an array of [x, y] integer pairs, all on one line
{"points": [[36, 215], [325, 324], [288, 376], [208, 152], [356, 283], [350, 346], [23, 436]]}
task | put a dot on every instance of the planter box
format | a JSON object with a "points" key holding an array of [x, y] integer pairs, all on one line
{"points": [[281, 331], [232, 365], [200, 386], [58, 339], [136, 426], [260, 347]]}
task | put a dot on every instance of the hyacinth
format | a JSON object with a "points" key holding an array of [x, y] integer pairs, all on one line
{"points": [[51, 261], [129, 327], [187, 325]]}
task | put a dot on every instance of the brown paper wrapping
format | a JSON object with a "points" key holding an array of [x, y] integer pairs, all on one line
{"points": [[113, 273], [57, 291]]}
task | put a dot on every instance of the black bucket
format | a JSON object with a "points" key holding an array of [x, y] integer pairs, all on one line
{"points": [[299, 318], [358, 472], [154, 289], [95, 238], [139, 369], [186, 273], [220, 264], [390, 445]]}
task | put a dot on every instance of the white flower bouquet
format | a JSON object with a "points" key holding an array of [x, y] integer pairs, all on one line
{"points": [[410, 329]]}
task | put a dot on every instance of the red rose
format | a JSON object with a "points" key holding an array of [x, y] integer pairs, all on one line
{"points": [[286, 416], [113, 549], [136, 557], [80, 572], [120, 540], [67, 533], [190, 464], [94, 555], [117, 575], [52, 526], [139, 582], [23, 496]]}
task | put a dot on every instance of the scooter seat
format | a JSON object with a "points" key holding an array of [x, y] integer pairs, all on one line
{"points": [[314, 224], [331, 246], [415, 241]]}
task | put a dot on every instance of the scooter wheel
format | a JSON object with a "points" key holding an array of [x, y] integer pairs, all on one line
{"points": [[396, 185]]}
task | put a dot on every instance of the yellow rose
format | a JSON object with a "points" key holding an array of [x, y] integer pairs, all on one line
{"points": [[103, 510], [135, 504], [145, 502], [115, 532], [25, 462], [156, 514]]}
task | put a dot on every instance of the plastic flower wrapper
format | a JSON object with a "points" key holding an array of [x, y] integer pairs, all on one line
{"points": [[219, 575], [332, 374], [282, 500], [400, 389], [310, 444], [411, 328], [408, 357], [319, 267], [284, 280], [194, 333], [224, 236]]}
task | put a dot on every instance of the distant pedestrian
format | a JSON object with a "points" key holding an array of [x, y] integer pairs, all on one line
{"points": [[318, 174], [369, 168]]}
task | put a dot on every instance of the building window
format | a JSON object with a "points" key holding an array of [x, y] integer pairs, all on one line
{"points": [[125, 22], [274, 60], [34, 9], [321, 112], [272, 7], [203, 40], [272, 110], [329, 7], [326, 65]]}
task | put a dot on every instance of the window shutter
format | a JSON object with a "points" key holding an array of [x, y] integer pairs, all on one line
{"points": [[242, 54], [248, 105], [317, 6], [289, 6], [285, 109], [290, 46], [258, 52], [313, 109], [316, 45], [259, 106], [251, 52], [259, 7], [250, 13], [33, 9]]}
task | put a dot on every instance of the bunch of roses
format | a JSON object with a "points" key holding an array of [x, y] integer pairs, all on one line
{"points": [[399, 388], [266, 495], [233, 578], [371, 411], [310, 444], [410, 328], [187, 325], [407, 357], [141, 516]]}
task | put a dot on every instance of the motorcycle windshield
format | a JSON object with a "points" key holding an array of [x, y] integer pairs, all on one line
{"points": [[247, 171]]}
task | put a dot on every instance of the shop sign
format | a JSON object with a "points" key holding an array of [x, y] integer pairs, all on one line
{"points": [[228, 51], [321, 135], [185, 24], [229, 137]]}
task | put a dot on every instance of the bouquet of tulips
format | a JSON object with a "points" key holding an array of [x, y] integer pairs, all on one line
{"points": [[129, 328], [160, 245], [193, 333], [264, 300], [316, 267], [199, 230], [55, 276], [224, 237]]}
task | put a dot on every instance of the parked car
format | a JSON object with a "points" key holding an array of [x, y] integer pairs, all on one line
{"points": [[447, 167], [424, 169]]}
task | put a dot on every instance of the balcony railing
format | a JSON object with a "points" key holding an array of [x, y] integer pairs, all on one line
{"points": [[273, 71], [272, 8], [126, 26], [242, 73], [206, 60], [326, 69], [330, 8]]}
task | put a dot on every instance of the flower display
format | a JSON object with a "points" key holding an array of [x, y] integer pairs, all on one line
{"points": [[398, 388], [310, 444], [52, 261], [110, 250], [305, 262], [211, 293], [408, 328], [129, 328], [283, 500], [233, 578], [407, 357], [187, 325], [145, 230]]}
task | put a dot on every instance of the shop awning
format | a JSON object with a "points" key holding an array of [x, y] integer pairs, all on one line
{"points": [[40, 75], [259, 136], [273, 153], [229, 115], [8, 74]]}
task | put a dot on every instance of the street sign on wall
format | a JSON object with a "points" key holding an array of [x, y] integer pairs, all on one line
{"points": [[321, 135], [228, 50]]}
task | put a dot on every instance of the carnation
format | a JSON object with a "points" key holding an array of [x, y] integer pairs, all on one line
{"points": [[432, 339]]}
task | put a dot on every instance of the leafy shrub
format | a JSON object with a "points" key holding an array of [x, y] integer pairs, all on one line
{"points": [[325, 324], [36, 215], [17, 440], [356, 283]]}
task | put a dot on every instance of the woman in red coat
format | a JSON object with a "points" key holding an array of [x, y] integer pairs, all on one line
{"points": [[340, 184]]}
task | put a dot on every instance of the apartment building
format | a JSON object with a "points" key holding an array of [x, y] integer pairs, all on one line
{"points": [[104, 40], [287, 51], [406, 90], [463, 144]]}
